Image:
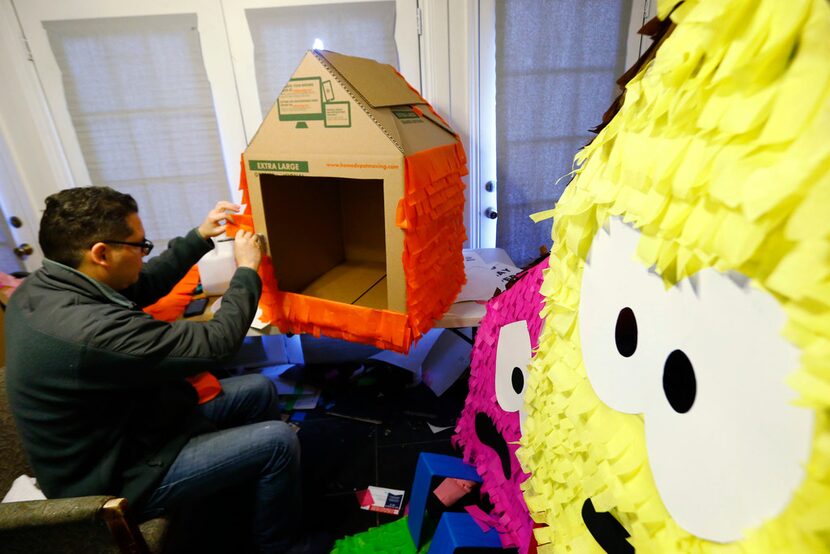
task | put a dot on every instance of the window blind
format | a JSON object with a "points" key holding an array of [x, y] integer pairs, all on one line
{"points": [[556, 66], [281, 36], [141, 104]]}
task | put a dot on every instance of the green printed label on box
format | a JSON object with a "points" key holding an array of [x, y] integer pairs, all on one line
{"points": [[338, 114], [301, 99], [405, 114], [278, 165]]}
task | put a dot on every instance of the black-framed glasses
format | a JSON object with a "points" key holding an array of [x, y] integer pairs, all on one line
{"points": [[145, 245]]}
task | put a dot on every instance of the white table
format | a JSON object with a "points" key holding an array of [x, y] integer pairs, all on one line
{"points": [[469, 314]]}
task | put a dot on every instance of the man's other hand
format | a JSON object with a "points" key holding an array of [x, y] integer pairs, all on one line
{"points": [[247, 250], [214, 223]]}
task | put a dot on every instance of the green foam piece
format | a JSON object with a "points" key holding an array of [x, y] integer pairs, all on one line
{"points": [[389, 537]]}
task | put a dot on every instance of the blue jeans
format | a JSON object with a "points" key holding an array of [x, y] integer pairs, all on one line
{"points": [[250, 449]]}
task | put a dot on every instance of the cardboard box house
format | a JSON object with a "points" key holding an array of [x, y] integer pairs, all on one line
{"points": [[356, 182]]}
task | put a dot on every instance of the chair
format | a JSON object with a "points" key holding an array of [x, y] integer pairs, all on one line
{"points": [[83, 524]]}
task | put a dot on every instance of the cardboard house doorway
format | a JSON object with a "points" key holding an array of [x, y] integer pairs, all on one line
{"points": [[340, 255]]}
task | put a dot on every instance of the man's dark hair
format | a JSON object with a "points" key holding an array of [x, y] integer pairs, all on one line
{"points": [[77, 218]]}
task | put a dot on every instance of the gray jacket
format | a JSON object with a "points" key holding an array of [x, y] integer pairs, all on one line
{"points": [[97, 386]]}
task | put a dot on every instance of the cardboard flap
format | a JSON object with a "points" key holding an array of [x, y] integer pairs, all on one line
{"points": [[438, 121], [386, 121], [417, 131], [378, 83]]}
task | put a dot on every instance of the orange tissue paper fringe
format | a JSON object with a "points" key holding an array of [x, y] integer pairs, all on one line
{"points": [[169, 308], [431, 216]]}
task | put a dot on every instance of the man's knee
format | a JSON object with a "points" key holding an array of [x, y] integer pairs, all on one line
{"points": [[283, 441], [263, 384], [261, 391]]}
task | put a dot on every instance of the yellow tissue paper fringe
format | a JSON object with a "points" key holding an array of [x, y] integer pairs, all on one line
{"points": [[720, 156]]}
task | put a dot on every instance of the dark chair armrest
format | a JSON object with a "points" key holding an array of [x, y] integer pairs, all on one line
{"points": [[58, 511], [81, 524]]}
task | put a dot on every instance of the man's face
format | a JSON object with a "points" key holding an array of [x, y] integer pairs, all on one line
{"points": [[126, 260]]}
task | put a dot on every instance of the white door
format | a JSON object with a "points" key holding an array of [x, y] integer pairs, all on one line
{"points": [[19, 251]]}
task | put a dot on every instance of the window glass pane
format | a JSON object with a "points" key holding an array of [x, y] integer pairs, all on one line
{"points": [[141, 105], [556, 66], [281, 36]]}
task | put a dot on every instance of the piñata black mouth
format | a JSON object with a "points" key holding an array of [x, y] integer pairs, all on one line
{"points": [[606, 530], [490, 436]]}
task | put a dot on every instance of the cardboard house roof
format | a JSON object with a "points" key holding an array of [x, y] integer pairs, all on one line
{"points": [[380, 87], [385, 100]]}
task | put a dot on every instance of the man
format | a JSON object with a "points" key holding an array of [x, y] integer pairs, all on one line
{"points": [[98, 388]]}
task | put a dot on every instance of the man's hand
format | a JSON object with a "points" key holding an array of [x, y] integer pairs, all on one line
{"points": [[214, 223], [247, 250]]}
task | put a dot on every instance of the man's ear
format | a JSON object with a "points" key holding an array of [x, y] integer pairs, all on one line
{"points": [[99, 254]]}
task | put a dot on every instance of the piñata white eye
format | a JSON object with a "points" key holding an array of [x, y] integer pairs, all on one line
{"points": [[513, 355], [706, 364]]}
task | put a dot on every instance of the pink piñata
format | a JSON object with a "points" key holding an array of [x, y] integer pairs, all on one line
{"points": [[490, 425]]}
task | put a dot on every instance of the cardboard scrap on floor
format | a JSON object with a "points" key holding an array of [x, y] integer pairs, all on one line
{"points": [[379, 499], [438, 359], [268, 350], [293, 396], [452, 489]]}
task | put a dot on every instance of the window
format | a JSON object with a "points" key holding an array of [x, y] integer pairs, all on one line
{"points": [[159, 98], [556, 67], [282, 35], [142, 110]]}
